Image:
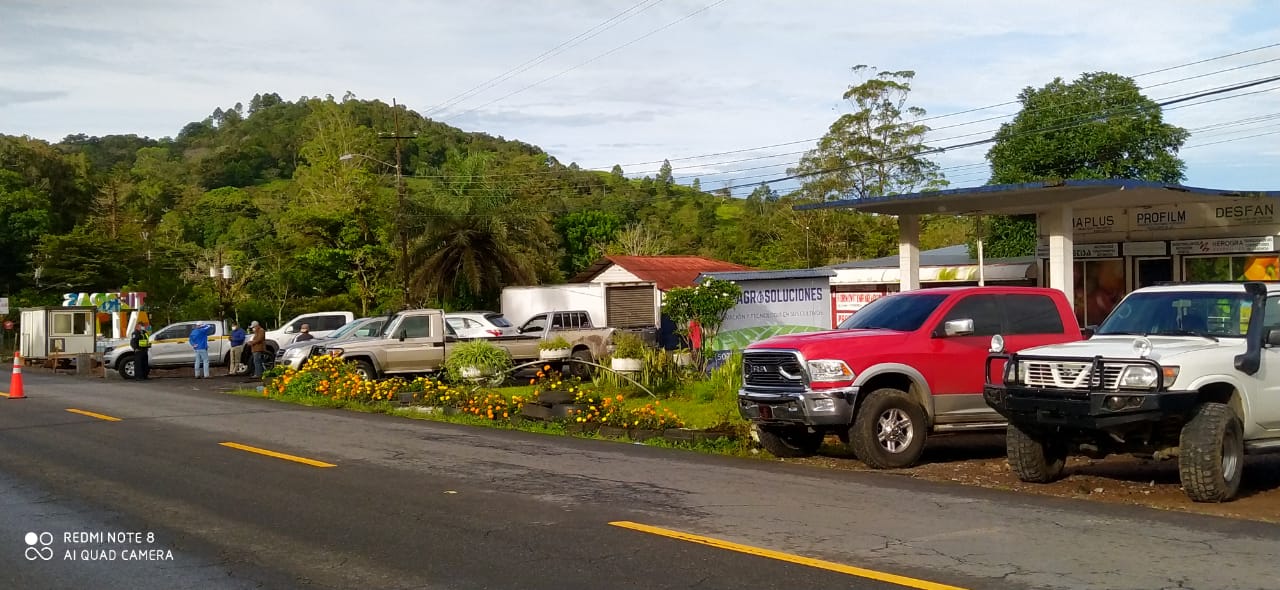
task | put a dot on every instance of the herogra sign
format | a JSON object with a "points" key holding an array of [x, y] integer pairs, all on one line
{"points": [[775, 306]]}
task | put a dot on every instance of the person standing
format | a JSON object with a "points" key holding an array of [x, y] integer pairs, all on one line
{"points": [[199, 341], [304, 334], [237, 348], [140, 342], [258, 345]]}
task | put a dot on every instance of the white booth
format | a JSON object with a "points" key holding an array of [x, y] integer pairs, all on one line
{"points": [[49, 332]]}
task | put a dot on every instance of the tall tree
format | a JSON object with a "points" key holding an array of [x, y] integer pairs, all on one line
{"points": [[874, 150], [585, 235], [1098, 126], [665, 178]]}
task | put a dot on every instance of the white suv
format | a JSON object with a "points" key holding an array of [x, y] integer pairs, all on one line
{"points": [[1190, 371]]}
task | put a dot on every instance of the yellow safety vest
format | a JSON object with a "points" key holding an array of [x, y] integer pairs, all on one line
{"points": [[144, 341]]}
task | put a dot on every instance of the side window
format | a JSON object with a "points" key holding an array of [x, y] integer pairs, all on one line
{"points": [[1032, 314], [584, 320], [183, 331], [328, 323], [982, 309], [1271, 314], [310, 320], [536, 324], [416, 327], [455, 323]]}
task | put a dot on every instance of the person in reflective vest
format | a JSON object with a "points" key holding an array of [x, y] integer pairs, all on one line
{"points": [[140, 342]]}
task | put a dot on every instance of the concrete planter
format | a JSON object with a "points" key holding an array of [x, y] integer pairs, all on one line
{"points": [[554, 354], [683, 359], [624, 365]]}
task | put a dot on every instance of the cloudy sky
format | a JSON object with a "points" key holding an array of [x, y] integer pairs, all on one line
{"points": [[636, 81]]}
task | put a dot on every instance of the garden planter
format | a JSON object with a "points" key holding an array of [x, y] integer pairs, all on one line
{"points": [[429, 409], [683, 359], [625, 365], [536, 412], [567, 410], [643, 434], [555, 397], [581, 427], [405, 397], [613, 431], [476, 373], [554, 354], [687, 435], [450, 411]]}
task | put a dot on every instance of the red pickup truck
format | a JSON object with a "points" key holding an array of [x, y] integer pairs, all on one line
{"points": [[905, 365]]}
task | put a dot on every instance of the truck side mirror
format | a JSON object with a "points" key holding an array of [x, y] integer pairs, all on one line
{"points": [[962, 327], [1088, 331], [290, 329], [1273, 337]]}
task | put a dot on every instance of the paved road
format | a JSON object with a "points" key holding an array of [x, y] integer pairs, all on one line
{"points": [[415, 504]]}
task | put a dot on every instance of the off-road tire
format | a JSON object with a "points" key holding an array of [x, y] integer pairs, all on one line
{"points": [[788, 442], [366, 370], [1211, 454], [1033, 458], [864, 435], [127, 366]]}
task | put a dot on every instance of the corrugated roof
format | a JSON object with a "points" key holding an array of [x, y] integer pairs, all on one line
{"points": [[667, 272], [947, 256], [768, 275]]}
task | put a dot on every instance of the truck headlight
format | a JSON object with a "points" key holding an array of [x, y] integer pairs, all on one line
{"points": [[1011, 373], [1138, 377], [292, 352], [830, 370], [997, 344], [331, 351]]}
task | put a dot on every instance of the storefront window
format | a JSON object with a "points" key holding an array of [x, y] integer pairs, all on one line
{"points": [[1100, 284], [1233, 268]]}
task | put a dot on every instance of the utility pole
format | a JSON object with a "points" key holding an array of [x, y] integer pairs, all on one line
{"points": [[402, 230]]}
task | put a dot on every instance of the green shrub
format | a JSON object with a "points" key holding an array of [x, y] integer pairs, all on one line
{"points": [[557, 343], [627, 345], [479, 354]]}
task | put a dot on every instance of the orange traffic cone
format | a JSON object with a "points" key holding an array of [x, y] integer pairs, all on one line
{"points": [[15, 382]]}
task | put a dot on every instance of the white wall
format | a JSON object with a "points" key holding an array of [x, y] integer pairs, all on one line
{"points": [[616, 274]]}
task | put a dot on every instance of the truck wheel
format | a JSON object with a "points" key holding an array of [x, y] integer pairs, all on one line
{"points": [[889, 431], [127, 367], [1032, 458], [1211, 454], [365, 370], [580, 370], [788, 442]]}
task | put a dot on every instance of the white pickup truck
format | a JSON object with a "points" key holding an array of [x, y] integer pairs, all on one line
{"points": [[319, 324], [1187, 371], [170, 348]]}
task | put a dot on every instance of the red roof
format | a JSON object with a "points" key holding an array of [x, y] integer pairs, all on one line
{"points": [[667, 272]]}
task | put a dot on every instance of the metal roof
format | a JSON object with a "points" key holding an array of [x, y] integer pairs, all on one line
{"points": [[667, 272], [766, 275], [1036, 197]]}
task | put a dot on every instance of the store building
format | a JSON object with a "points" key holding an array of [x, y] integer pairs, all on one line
{"points": [[860, 282], [1100, 239]]}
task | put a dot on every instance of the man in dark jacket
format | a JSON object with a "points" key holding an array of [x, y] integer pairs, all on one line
{"points": [[258, 345], [140, 342]]}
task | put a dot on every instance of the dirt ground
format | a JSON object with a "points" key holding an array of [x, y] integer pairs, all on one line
{"points": [[979, 460]]}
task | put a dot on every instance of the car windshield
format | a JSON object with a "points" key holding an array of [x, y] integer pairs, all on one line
{"points": [[903, 313], [497, 320], [1180, 313], [347, 329]]}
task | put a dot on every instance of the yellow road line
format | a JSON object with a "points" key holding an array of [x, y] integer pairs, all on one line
{"points": [[294, 458], [94, 415], [787, 557], [3, 394]]}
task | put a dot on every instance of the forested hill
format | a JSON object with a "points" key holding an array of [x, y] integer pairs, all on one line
{"points": [[265, 188]]}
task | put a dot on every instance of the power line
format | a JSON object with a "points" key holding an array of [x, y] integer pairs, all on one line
{"points": [[598, 57], [611, 22]]}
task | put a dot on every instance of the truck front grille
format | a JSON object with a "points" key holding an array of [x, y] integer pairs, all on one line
{"points": [[1070, 375], [773, 370]]}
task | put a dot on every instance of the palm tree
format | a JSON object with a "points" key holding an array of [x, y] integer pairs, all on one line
{"points": [[478, 235]]}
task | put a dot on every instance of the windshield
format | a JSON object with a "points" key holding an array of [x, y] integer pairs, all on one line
{"points": [[1180, 313], [904, 313], [348, 328]]}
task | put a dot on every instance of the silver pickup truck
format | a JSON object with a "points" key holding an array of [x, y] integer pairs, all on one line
{"points": [[169, 348]]}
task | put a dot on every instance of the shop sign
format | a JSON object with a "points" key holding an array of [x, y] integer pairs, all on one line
{"points": [[1162, 217], [1099, 221], [1103, 250], [847, 303], [1145, 249], [1224, 245]]}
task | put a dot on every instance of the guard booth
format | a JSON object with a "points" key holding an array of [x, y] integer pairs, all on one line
{"points": [[58, 332], [1101, 239]]}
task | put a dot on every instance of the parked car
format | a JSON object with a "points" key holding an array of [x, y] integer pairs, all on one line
{"points": [[904, 366], [169, 348], [319, 324], [1186, 371], [480, 324], [294, 355]]}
